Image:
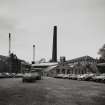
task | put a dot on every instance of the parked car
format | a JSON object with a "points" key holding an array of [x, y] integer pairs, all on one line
{"points": [[19, 75], [99, 78], [59, 75], [82, 76], [31, 76], [2, 75], [89, 77], [12, 75], [66, 76], [6, 75], [103, 80], [73, 76]]}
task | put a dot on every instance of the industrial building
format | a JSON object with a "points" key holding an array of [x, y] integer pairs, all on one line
{"points": [[80, 65]]}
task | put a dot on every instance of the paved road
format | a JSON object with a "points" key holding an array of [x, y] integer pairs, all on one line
{"points": [[51, 91]]}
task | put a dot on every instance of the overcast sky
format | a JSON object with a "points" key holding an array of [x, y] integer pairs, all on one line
{"points": [[81, 27]]}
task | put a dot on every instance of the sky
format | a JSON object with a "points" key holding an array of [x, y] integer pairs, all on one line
{"points": [[80, 26]]}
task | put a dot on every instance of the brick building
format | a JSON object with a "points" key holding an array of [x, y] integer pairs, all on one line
{"points": [[79, 65]]}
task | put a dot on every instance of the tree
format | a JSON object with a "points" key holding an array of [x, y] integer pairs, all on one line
{"points": [[102, 52], [14, 63]]}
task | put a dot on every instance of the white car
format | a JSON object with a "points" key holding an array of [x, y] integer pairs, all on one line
{"points": [[73, 76], [82, 76], [99, 78], [59, 75], [65, 76]]}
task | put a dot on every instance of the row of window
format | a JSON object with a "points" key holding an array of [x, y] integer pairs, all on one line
{"points": [[72, 71]]}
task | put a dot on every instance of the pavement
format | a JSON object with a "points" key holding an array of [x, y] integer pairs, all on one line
{"points": [[51, 91]]}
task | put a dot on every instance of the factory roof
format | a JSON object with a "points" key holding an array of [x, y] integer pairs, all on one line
{"points": [[84, 58], [50, 68], [45, 64]]}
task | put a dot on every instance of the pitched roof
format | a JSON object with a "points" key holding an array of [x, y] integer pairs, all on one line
{"points": [[44, 64], [81, 59], [50, 68]]}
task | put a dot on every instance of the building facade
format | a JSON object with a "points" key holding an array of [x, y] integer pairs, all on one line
{"points": [[80, 65]]}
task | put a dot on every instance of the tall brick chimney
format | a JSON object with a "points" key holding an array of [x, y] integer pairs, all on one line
{"points": [[54, 49]]}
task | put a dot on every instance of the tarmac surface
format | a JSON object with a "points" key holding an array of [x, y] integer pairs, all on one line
{"points": [[51, 91]]}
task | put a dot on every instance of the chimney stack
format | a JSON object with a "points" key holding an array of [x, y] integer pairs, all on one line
{"points": [[33, 62], [54, 52]]}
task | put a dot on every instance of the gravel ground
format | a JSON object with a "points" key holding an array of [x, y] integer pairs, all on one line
{"points": [[51, 91]]}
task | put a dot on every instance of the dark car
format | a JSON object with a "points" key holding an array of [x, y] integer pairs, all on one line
{"points": [[31, 76], [2, 75], [89, 77], [6, 75]]}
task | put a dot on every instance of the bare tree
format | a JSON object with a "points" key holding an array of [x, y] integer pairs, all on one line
{"points": [[102, 52]]}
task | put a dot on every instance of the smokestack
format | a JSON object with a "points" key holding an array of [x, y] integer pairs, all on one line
{"points": [[33, 62], [54, 52], [9, 44]]}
